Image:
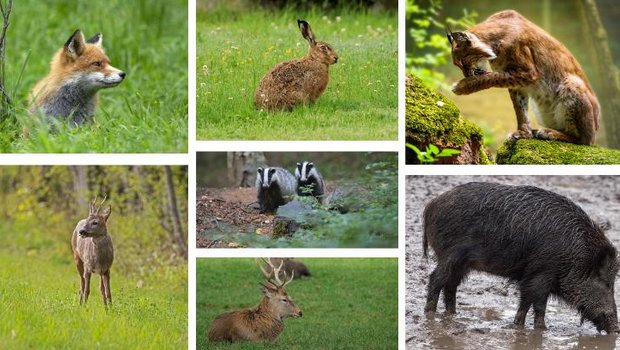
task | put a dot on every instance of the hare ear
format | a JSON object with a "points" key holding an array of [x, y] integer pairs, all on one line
{"points": [[306, 31]]}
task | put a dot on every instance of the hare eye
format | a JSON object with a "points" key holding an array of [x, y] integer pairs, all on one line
{"points": [[95, 223]]}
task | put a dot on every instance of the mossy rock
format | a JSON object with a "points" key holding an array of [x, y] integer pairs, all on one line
{"points": [[431, 118], [532, 151]]}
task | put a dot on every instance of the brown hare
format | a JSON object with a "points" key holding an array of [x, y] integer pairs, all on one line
{"points": [[298, 81]]}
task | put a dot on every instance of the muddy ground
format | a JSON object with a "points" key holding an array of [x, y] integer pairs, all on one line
{"points": [[486, 305]]}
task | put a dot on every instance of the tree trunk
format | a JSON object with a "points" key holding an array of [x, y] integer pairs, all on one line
{"points": [[242, 167], [177, 230], [608, 74], [80, 186]]}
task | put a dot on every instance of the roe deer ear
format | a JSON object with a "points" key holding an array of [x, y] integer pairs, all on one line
{"points": [[97, 39], [306, 31], [74, 47], [106, 212]]}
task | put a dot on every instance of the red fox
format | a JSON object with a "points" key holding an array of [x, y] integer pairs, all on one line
{"points": [[78, 71]]}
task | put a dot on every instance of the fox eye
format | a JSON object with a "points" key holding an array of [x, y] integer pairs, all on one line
{"points": [[97, 63], [284, 300]]}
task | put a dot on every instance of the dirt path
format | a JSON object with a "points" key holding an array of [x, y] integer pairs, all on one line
{"points": [[486, 304], [220, 209]]}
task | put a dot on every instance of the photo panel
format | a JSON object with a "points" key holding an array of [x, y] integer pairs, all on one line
{"points": [[297, 200], [330, 303], [511, 261], [94, 77], [504, 82], [94, 255], [291, 70]]}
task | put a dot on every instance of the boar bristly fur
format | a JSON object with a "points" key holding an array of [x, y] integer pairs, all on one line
{"points": [[541, 240]]}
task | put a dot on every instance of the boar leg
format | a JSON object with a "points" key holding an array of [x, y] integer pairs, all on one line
{"points": [[540, 306], [524, 306], [436, 282], [449, 290], [533, 292]]}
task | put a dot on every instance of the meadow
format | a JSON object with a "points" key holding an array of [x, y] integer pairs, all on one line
{"points": [[346, 304], [235, 50], [146, 113], [40, 282]]}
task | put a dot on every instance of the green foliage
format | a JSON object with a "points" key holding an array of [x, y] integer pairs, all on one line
{"points": [[147, 39], [431, 48], [234, 52], [346, 304], [534, 151], [431, 153]]}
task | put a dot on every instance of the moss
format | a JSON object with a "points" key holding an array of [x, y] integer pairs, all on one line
{"points": [[533, 151], [431, 118]]}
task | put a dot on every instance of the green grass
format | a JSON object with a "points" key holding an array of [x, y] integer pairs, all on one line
{"points": [[346, 304], [234, 51], [146, 113], [41, 308]]}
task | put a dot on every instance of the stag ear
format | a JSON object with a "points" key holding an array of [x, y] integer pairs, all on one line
{"points": [[269, 289]]}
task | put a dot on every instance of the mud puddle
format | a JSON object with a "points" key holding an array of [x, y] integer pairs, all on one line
{"points": [[486, 305]]}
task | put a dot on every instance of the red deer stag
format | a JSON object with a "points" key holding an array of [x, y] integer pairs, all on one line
{"points": [[265, 320]]}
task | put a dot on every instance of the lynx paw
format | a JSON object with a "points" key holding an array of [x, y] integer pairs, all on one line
{"points": [[457, 88], [521, 134]]}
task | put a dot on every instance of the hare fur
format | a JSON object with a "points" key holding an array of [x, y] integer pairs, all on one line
{"points": [[298, 81]]}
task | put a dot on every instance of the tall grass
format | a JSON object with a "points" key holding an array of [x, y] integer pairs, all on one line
{"points": [[346, 304], [41, 308], [147, 39], [235, 51]]}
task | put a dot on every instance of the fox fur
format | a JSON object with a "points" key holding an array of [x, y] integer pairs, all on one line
{"points": [[77, 71]]}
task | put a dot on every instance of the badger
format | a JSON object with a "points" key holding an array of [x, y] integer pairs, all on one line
{"points": [[309, 181], [274, 186]]}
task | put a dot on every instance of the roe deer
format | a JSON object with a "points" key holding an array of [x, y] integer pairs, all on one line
{"points": [[265, 320], [93, 251]]}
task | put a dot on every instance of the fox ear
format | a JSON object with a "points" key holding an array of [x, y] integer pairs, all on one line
{"points": [[75, 45], [97, 39]]}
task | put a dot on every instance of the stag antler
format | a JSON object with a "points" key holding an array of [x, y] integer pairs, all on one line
{"points": [[274, 275]]}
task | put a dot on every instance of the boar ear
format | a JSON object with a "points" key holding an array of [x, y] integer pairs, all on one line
{"points": [[97, 39], [74, 47], [605, 261]]}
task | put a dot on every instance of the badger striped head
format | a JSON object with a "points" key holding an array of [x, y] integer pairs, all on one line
{"points": [[305, 170], [265, 177]]}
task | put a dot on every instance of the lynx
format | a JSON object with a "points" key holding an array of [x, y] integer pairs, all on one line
{"points": [[535, 67]]}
